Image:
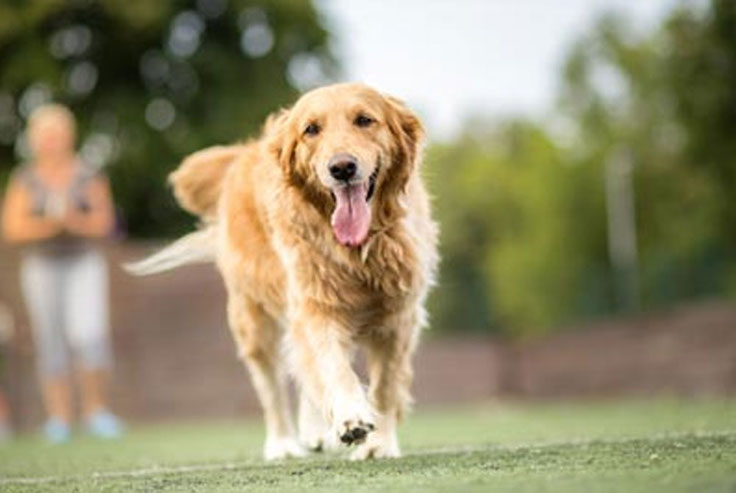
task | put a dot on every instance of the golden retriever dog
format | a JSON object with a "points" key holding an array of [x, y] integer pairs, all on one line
{"points": [[322, 231]]}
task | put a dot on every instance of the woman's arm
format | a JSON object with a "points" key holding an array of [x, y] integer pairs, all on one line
{"points": [[99, 219], [19, 225]]}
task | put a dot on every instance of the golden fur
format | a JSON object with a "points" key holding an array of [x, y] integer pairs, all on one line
{"points": [[289, 280]]}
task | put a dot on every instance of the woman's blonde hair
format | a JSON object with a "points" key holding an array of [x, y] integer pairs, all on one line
{"points": [[51, 111]]}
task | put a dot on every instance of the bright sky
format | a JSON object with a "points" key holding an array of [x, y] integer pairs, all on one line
{"points": [[449, 59]]}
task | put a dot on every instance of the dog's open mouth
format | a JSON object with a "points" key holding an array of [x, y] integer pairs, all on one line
{"points": [[351, 219], [372, 184]]}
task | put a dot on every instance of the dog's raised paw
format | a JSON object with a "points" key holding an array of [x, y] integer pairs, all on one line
{"points": [[355, 431]]}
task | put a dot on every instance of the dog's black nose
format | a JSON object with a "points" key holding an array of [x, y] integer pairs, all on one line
{"points": [[343, 167]]}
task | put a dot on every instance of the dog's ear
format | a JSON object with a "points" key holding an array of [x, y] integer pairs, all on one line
{"points": [[281, 139], [408, 135]]}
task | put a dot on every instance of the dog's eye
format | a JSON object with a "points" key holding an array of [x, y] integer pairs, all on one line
{"points": [[312, 129], [363, 121]]}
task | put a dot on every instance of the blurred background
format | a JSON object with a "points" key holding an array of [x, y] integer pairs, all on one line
{"points": [[582, 159]]}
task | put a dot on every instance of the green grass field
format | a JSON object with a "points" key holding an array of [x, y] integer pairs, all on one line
{"points": [[663, 445]]}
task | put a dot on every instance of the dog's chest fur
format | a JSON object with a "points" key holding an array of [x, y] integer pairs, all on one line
{"points": [[361, 288]]}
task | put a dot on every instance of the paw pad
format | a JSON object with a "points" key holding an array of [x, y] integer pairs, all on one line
{"points": [[355, 432]]}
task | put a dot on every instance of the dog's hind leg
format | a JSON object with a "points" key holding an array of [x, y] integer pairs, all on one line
{"points": [[259, 339]]}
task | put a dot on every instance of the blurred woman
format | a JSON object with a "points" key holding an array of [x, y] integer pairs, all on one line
{"points": [[56, 207]]}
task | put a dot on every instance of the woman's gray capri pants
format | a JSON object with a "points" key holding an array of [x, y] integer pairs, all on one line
{"points": [[67, 299]]}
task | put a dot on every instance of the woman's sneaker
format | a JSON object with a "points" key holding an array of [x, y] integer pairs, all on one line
{"points": [[104, 424], [57, 431]]}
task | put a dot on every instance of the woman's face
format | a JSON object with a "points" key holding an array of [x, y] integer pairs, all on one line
{"points": [[53, 136]]}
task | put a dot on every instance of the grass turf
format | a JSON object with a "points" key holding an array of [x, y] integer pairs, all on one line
{"points": [[664, 445]]}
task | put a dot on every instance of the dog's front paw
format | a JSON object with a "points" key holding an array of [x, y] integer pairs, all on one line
{"points": [[377, 446], [283, 448], [352, 420], [354, 431]]}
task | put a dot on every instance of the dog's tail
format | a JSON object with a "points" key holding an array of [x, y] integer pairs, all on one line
{"points": [[197, 182], [196, 247], [197, 185]]}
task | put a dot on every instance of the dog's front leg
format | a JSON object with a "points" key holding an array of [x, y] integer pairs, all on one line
{"points": [[320, 352], [389, 366]]}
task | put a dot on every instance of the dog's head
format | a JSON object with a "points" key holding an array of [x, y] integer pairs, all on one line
{"points": [[349, 151]]}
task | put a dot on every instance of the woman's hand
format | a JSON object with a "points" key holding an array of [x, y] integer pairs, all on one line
{"points": [[98, 220]]}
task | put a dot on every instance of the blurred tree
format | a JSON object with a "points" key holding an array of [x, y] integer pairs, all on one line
{"points": [[154, 80], [523, 205], [523, 231], [622, 91], [700, 76]]}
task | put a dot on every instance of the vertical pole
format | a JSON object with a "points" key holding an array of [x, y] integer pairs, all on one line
{"points": [[622, 243]]}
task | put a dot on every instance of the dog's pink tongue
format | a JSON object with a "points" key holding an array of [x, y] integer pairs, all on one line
{"points": [[352, 217]]}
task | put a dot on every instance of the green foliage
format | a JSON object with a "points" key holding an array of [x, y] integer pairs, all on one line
{"points": [[523, 213], [521, 231], [700, 70], [625, 93], [154, 80]]}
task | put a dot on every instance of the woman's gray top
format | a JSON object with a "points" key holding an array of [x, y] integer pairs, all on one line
{"points": [[46, 202]]}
